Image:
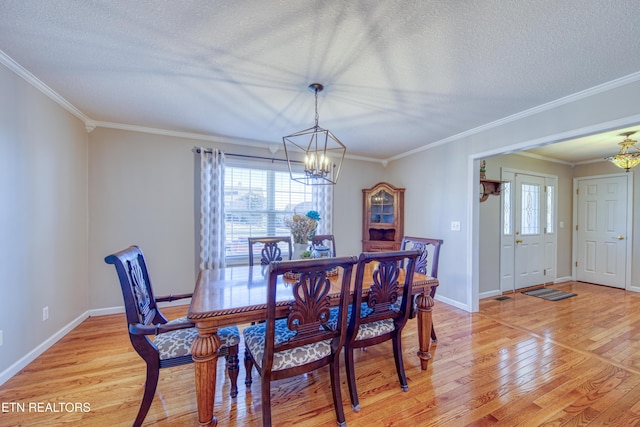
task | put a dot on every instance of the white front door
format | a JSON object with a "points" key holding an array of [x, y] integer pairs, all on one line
{"points": [[530, 205], [602, 230], [528, 238]]}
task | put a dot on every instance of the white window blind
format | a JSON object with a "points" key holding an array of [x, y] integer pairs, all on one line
{"points": [[258, 195]]}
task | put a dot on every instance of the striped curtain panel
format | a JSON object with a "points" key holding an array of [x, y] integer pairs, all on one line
{"points": [[322, 196], [212, 230]]}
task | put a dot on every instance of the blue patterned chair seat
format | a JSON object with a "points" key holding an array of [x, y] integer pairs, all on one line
{"points": [[366, 330], [178, 343], [254, 340]]}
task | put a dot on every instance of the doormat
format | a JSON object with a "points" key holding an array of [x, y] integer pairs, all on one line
{"points": [[549, 294]]}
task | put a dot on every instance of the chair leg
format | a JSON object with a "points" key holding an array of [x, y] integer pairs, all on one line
{"points": [[334, 368], [233, 364], [266, 402], [351, 378], [414, 308], [150, 385], [434, 338], [248, 367], [397, 356]]}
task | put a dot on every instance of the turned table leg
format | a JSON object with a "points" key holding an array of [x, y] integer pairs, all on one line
{"points": [[425, 323], [204, 351]]}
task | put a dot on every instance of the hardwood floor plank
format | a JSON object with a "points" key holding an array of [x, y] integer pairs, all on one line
{"points": [[523, 361]]}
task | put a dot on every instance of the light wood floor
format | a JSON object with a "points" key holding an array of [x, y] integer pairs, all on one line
{"points": [[522, 361]]}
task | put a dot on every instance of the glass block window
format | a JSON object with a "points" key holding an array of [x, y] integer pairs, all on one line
{"points": [[530, 209]]}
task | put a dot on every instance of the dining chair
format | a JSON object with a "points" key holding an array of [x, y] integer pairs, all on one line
{"points": [[171, 344], [324, 240], [270, 248], [427, 263], [303, 341], [385, 312]]}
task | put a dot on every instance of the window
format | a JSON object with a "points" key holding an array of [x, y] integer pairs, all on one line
{"points": [[506, 208], [257, 198], [530, 209], [550, 213]]}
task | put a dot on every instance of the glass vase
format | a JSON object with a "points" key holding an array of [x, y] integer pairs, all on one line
{"points": [[299, 249]]}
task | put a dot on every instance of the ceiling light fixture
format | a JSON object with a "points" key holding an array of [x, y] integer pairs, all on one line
{"points": [[320, 148], [625, 159]]}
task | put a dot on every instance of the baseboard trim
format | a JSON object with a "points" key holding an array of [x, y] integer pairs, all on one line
{"points": [[24, 361], [489, 294], [105, 311], [451, 302], [563, 279], [20, 364]]}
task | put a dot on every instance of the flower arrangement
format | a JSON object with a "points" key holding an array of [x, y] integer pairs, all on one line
{"points": [[303, 227]]}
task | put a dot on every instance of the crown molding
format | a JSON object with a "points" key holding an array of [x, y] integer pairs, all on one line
{"points": [[546, 159], [613, 84], [12, 65], [211, 138], [91, 124]]}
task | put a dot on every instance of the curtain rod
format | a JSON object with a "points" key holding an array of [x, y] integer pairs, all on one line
{"points": [[247, 156]]}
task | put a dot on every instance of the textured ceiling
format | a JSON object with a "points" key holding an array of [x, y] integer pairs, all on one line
{"points": [[398, 74]]}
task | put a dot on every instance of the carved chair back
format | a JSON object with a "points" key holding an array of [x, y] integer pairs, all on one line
{"points": [[324, 240], [309, 310], [271, 250], [427, 262], [387, 297], [139, 301]]}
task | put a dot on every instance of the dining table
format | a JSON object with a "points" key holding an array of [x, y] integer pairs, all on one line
{"points": [[238, 294]]}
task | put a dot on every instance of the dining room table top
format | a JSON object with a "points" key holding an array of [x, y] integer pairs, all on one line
{"points": [[237, 290]]}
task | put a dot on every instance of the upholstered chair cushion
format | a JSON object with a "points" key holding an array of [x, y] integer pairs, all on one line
{"points": [[375, 329], [396, 305], [366, 330], [254, 340], [178, 343]]}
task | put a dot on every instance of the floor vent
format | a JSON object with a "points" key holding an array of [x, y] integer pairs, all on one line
{"points": [[503, 298]]}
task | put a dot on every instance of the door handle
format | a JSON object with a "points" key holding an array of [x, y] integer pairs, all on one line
{"points": [[518, 241], [619, 237]]}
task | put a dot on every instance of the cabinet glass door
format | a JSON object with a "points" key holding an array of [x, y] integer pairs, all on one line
{"points": [[382, 211]]}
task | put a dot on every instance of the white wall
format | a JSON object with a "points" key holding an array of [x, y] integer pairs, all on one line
{"points": [[489, 255], [142, 192], [445, 176], [43, 218], [62, 200]]}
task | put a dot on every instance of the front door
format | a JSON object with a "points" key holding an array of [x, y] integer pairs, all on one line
{"points": [[602, 230], [529, 230]]}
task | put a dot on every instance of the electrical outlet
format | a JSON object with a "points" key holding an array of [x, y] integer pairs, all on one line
{"points": [[1, 339], [45, 313], [455, 225]]}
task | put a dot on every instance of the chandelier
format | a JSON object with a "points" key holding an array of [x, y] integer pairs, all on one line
{"points": [[625, 159], [319, 147]]}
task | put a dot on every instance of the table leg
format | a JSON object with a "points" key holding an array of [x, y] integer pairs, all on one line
{"points": [[204, 351], [425, 323]]}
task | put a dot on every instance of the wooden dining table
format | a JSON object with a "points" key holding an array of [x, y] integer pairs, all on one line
{"points": [[236, 295]]}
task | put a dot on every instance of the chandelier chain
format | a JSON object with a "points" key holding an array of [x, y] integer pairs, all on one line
{"points": [[316, 91]]}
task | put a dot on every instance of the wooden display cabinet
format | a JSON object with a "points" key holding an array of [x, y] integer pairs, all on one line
{"points": [[383, 218]]}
